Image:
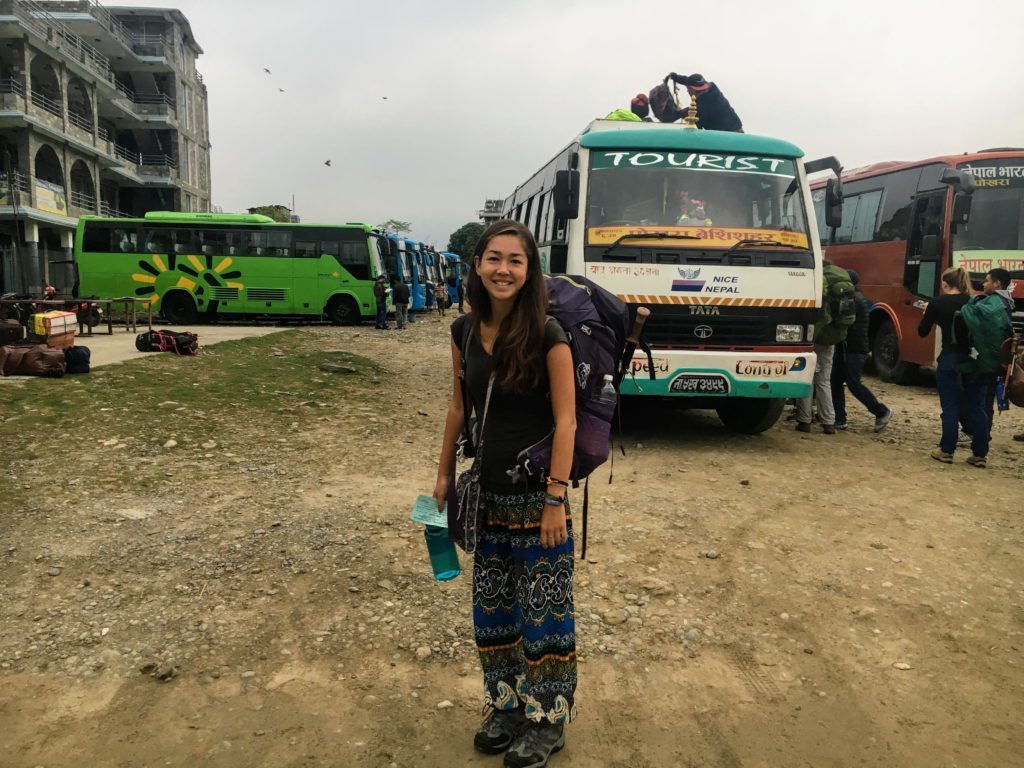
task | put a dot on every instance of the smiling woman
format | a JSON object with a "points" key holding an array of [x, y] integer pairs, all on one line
{"points": [[519, 380]]}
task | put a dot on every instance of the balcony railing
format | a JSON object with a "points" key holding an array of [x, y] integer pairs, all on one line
{"points": [[82, 200], [108, 210], [10, 85], [53, 31], [18, 181], [159, 160], [145, 99], [45, 102], [107, 19], [80, 121]]}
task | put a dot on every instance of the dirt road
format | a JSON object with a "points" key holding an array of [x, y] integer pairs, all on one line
{"points": [[237, 524]]}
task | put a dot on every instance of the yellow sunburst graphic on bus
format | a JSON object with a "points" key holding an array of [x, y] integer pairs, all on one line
{"points": [[193, 273]]}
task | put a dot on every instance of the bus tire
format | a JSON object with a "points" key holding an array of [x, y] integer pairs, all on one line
{"points": [[179, 308], [885, 354], [751, 415], [343, 310]]}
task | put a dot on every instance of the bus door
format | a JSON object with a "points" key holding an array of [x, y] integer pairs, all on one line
{"points": [[308, 270], [923, 269], [925, 245]]}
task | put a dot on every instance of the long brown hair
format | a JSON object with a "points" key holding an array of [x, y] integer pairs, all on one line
{"points": [[518, 348], [957, 277]]}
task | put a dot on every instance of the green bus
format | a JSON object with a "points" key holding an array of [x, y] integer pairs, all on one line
{"points": [[201, 265]]}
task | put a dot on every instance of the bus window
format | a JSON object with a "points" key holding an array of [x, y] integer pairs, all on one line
{"points": [[159, 241], [255, 243], [307, 249], [355, 257], [278, 243], [921, 276], [125, 240], [213, 242]]}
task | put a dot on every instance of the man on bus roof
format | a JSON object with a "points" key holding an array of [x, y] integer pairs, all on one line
{"points": [[714, 113]]}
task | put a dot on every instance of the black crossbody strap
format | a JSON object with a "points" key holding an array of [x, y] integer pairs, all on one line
{"points": [[466, 407]]}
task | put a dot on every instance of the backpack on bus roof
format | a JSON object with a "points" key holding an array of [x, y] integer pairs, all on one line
{"points": [[988, 326]]}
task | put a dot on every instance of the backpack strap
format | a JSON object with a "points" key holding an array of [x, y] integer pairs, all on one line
{"points": [[466, 333]]}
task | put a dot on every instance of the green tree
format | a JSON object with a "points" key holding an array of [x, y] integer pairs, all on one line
{"points": [[395, 227], [463, 240], [276, 212]]}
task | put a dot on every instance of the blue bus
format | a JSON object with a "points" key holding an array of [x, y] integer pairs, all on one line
{"points": [[452, 276]]}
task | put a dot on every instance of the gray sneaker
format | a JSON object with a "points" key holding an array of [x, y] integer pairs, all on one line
{"points": [[498, 730], [882, 421], [535, 745]]}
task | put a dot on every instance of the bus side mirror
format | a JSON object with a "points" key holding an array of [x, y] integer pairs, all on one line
{"points": [[930, 248], [961, 208], [833, 202], [566, 194], [961, 181]]}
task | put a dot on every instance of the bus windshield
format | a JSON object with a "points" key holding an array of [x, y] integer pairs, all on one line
{"points": [[715, 200], [994, 234]]}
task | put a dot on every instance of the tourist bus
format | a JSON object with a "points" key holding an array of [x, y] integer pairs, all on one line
{"points": [[202, 265], [711, 231], [905, 222], [452, 276]]}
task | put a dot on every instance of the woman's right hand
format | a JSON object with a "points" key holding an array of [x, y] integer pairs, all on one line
{"points": [[441, 492]]}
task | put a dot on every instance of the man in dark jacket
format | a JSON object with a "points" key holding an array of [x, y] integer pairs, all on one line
{"points": [[380, 294], [714, 113], [848, 363], [400, 297]]}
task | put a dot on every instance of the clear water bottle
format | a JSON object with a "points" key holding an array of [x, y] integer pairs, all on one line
{"points": [[607, 395], [443, 558]]}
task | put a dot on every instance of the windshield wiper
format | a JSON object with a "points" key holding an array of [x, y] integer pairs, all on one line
{"points": [[648, 236], [764, 243]]}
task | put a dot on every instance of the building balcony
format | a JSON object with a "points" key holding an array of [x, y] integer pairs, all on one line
{"points": [[81, 204], [58, 36]]}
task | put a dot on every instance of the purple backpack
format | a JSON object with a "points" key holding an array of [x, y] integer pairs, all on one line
{"points": [[595, 321]]}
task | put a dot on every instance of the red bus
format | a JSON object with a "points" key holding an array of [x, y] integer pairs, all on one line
{"points": [[904, 223]]}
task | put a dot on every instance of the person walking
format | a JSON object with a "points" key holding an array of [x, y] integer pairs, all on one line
{"points": [[831, 329], [460, 286], [848, 364], [942, 312], [400, 297], [440, 299], [519, 368], [380, 293]]}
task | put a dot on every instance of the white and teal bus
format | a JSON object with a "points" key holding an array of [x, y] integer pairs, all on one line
{"points": [[711, 231]]}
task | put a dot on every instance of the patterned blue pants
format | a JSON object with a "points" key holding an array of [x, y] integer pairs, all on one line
{"points": [[523, 613]]}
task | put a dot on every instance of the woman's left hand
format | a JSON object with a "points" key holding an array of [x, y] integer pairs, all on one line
{"points": [[553, 530]]}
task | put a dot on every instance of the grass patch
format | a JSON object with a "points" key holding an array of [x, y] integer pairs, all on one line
{"points": [[243, 383]]}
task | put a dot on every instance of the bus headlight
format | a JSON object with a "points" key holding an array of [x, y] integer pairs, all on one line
{"points": [[789, 333]]}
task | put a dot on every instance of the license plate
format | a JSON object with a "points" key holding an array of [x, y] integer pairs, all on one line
{"points": [[701, 384]]}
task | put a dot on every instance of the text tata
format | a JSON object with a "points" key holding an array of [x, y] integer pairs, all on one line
{"points": [[694, 160]]}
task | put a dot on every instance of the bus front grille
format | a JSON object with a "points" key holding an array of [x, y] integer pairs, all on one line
{"points": [[710, 326]]}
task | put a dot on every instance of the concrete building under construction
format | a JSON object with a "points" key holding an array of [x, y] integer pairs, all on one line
{"points": [[102, 112]]}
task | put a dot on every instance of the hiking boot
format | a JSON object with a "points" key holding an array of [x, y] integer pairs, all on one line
{"points": [[802, 427], [940, 455], [498, 730], [963, 438], [535, 745], [882, 421], [842, 425], [977, 461], [828, 429]]}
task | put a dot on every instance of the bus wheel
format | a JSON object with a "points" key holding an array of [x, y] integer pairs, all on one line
{"points": [[179, 308], [343, 311], [750, 415], [885, 352]]}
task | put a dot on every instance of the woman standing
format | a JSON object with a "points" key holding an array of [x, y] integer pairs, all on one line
{"points": [[523, 614], [956, 289]]}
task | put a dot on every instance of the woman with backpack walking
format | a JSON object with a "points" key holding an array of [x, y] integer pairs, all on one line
{"points": [[942, 312], [519, 379]]}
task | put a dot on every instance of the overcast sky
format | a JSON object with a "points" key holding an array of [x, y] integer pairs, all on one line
{"points": [[481, 94]]}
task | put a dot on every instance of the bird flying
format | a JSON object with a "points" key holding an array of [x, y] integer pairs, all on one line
{"points": [[266, 70], [327, 163]]}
